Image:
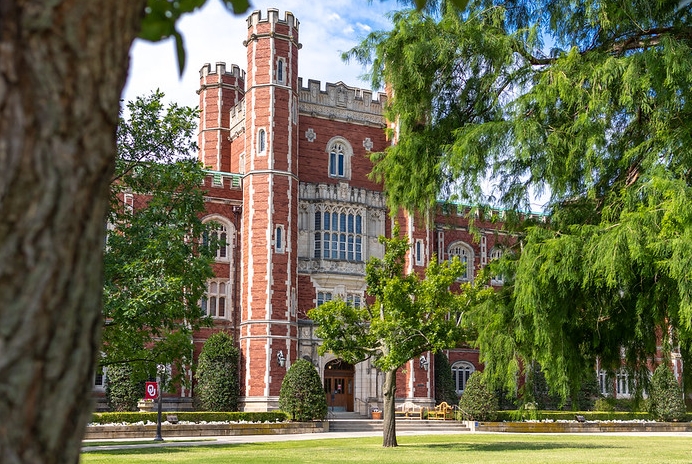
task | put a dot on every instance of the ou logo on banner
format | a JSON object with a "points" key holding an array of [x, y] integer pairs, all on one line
{"points": [[150, 390]]}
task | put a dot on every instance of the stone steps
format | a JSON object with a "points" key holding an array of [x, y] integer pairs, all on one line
{"points": [[414, 425]]}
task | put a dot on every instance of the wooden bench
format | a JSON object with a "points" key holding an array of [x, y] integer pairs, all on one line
{"points": [[408, 410], [442, 411]]}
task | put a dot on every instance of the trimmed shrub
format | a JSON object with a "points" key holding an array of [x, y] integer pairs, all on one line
{"points": [[665, 397], [478, 402], [188, 416], [444, 383], [122, 393], [302, 396], [217, 374]]}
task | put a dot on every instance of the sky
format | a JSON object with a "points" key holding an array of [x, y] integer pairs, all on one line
{"points": [[212, 34]]}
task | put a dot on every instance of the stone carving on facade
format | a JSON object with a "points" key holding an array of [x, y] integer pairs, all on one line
{"points": [[367, 144], [309, 266], [310, 135]]}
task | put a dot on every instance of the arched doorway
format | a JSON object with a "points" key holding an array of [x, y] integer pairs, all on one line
{"points": [[338, 385]]}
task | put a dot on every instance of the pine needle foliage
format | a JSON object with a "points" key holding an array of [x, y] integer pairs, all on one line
{"points": [[597, 123], [665, 396]]}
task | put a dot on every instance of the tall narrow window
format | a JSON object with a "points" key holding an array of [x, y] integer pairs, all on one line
{"points": [[279, 239], [261, 141], [339, 156], [496, 253], [218, 236], [214, 302], [280, 70], [419, 252]]}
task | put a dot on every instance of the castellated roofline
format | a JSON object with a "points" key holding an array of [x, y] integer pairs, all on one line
{"points": [[359, 94], [272, 17], [220, 69]]}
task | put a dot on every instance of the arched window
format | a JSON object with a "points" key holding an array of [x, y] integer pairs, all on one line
{"points": [[261, 141], [280, 70], [218, 235], [340, 152], [461, 371], [279, 239], [338, 234], [465, 254]]}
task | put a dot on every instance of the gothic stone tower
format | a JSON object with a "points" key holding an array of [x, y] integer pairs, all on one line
{"points": [[268, 328]]}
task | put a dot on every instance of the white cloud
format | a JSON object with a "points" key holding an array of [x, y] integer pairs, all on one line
{"points": [[213, 34]]}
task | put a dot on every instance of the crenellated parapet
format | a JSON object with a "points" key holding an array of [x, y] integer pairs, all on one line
{"points": [[256, 18], [342, 103], [220, 70]]}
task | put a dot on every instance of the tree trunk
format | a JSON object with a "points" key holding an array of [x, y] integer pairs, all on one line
{"points": [[62, 69], [389, 416]]}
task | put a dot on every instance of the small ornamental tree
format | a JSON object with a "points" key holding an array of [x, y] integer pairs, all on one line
{"points": [[478, 402], [665, 397], [301, 395], [122, 391], [217, 374], [444, 383]]}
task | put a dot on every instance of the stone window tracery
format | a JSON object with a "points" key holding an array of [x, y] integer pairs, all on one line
{"points": [[339, 233], [465, 254]]}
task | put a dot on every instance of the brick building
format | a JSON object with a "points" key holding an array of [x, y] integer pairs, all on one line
{"points": [[288, 185]]}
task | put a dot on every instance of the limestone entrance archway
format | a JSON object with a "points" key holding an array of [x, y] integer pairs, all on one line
{"points": [[338, 385]]}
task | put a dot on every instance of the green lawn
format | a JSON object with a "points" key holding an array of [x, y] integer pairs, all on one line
{"points": [[429, 449]]}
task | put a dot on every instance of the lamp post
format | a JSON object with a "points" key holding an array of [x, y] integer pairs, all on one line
{"points": [[161, 370]]}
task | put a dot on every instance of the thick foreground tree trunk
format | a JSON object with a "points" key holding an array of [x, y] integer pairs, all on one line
{"points": [[389, 416], [63, 65]]}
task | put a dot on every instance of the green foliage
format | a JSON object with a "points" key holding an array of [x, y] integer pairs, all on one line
{"points": [[155, 269], [523, 414], [188, 416], [122, 390], [445, 390], [161, 17], [217, 374], [665, 396], [478, 402], [302, 397], [598, 125]]}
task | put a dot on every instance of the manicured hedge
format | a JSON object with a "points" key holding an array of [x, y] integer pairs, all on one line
{"points": [[519, 415], [189, 416]]}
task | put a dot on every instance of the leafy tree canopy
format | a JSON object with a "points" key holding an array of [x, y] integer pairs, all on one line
{"points": [[410, 315], [155, 269], [587, 103]]}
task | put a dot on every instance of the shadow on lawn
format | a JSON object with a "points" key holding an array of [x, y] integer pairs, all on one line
{"points": [[508, 446]]}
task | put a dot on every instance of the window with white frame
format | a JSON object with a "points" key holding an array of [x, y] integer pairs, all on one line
{"points": [[219, 235], [465, 254], [323, 297], [338, 233], [279, 239], [496, 253], [99, 379], [261, 141], [622, 384], [354, 299], [340, 152], [603, 384], [461, 371], [280, 71], [214, 302], [418, 252]]}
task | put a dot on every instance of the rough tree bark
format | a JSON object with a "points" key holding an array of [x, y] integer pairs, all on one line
{"points": [[389, 413], [63, 65]]}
